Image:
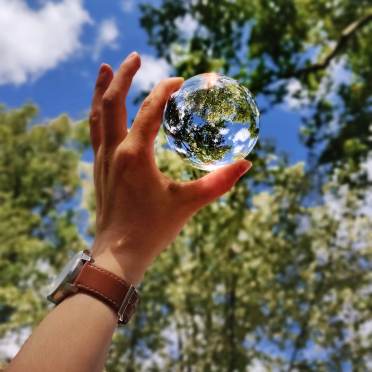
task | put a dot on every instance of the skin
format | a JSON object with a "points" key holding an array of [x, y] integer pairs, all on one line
{"points": [[134, 202]]}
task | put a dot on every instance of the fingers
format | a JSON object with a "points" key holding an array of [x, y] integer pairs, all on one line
{"points": [[148, 120], [208, 188], [104, 78], [113, 102]]}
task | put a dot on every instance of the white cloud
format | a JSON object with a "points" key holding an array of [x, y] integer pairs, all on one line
{"points": [[238, 149], [367, 166], [33, 41], [151, 72], [366, 204], [366, 329], [257, 366], [108, 34], [187, 25], [337, 203], [338, 74], [241, 135], [294, 99], [127, 6]]}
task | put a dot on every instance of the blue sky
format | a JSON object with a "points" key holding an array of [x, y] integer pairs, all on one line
{"points": [[51, 51]]}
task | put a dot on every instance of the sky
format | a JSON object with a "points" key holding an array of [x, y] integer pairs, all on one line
{"points": [[51, 51]]}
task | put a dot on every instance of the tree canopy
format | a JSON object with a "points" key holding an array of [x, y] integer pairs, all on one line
{"points": [[318, 51], [39, 180], [275, 275]]}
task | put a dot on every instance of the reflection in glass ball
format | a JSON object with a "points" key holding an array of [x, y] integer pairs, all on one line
{"points": [[211, 121]]}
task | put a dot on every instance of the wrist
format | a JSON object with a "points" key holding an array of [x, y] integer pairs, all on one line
{"points": [[131, 275], [127, 257]]}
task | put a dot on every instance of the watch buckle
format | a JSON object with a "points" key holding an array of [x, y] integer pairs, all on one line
{"points": [[128, 301]]}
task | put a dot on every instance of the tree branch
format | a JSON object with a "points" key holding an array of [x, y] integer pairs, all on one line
{"points": [[346, 34]]}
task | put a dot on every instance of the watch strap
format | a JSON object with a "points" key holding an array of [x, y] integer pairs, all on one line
{"points": [[121, 296]]}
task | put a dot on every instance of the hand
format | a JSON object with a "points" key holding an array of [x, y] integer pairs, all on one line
{"points": [[140, 211]]}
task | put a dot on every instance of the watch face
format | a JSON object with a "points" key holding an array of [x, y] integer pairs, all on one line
{"points": [[61, 285]]}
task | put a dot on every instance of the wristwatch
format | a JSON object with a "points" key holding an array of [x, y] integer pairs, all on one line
{"points": [[81, 275]]}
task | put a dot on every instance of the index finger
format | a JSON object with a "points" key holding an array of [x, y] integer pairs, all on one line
{"points": [[147, 122]]}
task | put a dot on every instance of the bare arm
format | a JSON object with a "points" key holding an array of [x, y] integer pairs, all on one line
{"points": [[134, 201]]}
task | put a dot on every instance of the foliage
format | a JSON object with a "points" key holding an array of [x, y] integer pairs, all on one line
{"points": [[316, 51], [275, 275], [38, 227], [257, 277], [269, 275], [252, 273]]}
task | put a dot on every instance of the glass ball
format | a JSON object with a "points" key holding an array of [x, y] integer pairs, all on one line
{"points": [[211, 121]]}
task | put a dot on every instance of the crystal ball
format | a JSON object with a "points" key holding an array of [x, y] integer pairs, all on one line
{"points": [[212, 120]]}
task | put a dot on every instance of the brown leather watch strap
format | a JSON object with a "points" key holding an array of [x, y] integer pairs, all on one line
{"points": [[109, 288]]}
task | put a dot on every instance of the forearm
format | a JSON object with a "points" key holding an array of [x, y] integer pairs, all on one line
{"points": [[74, 336]]}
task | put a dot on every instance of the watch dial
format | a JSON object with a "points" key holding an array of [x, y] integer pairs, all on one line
{"points": [[67, 275]]}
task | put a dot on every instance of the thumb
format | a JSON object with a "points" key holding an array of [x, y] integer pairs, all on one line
{"points": [[209, 187]]}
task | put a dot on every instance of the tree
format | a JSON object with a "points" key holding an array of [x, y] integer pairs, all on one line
{"points": [[39, 180], [269, 44], [258, 277], [236, 280], [276, 277], [275, 274]]}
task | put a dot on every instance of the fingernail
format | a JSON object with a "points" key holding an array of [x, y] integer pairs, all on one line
{"points": [[177, 79], [132, 55], [104, 68], [245, 167]]}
